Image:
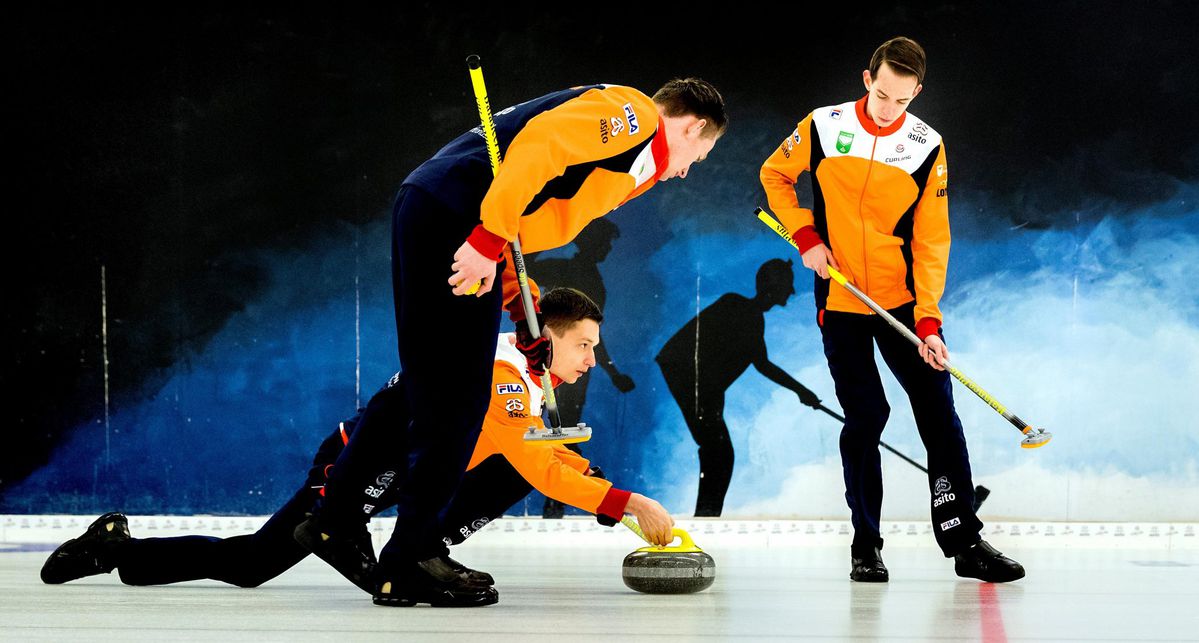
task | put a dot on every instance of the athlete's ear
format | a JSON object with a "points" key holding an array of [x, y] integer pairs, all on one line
{"points": [[916, 92], [866, 80]]}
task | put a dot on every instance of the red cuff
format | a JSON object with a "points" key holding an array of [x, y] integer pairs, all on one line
{"points": [[927, 326], [614, 503], [807, 238], [488, 244]]}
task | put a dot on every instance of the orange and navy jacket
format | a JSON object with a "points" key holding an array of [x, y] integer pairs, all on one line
{"points": [[879, 203], [568, 157], [552, 469]]}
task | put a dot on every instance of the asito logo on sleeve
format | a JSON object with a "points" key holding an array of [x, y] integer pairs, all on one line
{"points": [[509, 389], [790, 142], [617, 125]]}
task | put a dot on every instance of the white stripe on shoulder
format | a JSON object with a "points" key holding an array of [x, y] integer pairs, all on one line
{"points": [[839, 131], [644, 167], [506, 351]]}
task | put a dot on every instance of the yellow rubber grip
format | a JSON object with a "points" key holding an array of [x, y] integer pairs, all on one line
{"points": [[781, 229]]}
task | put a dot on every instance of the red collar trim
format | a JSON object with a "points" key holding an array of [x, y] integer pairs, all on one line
{"points": [[660, 151], [555, 381], [870, 126]]}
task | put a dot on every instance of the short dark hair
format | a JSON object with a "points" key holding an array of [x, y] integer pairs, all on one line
{"points": [[692, 96], [903, 55], [562, 308]]}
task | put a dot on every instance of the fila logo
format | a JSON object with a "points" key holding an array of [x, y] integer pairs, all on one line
{"points": [[509, 389], [632, 118], [835, 114], [950, 524]]}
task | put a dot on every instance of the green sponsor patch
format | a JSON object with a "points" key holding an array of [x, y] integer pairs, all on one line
{"points": [[844, 142]]}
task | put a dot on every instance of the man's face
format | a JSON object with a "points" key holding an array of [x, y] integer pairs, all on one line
{"points": [[574, 350], [688, 144], [888, 95]]}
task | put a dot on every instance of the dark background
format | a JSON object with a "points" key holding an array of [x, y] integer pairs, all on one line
{"points": [[175, 148]]}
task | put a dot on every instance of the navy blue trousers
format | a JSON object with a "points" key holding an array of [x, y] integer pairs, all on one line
{"points": [[849, 341], [447, 353], [250, 560]]}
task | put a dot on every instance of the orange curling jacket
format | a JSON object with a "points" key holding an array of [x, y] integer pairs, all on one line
{"points": [[880, 205], [552, 469], [568, 157]]}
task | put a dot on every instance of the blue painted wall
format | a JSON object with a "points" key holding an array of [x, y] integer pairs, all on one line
{"points": [[1070, 294]]}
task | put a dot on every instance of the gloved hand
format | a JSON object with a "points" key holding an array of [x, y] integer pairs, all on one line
{"points": [[539, 352], [809, 398]]}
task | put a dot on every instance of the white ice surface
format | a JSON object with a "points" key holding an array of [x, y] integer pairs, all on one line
{"points": [[560, 580]]}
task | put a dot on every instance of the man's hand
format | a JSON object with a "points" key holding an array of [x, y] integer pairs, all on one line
{"points": [[539, 352], [808, 398], [622, 382], [653, 519], [819, 258], [934, 351], [470, 268]]}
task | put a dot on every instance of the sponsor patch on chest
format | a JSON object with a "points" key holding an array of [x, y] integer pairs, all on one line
{"points": [[510, 389]]}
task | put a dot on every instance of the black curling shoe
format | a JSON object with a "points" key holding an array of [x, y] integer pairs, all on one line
{"points": [[469, 575], [984, 562], [868, 566], [434, 582], [92, 553], [353, 557]]}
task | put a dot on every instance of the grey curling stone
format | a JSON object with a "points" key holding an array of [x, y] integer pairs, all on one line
{"points": [[682, 569]]}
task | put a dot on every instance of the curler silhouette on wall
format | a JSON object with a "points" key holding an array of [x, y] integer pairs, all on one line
{"points": [[707, 355]]}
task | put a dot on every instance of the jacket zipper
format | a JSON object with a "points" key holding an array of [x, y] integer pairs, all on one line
{"points": [[862, 218]]}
